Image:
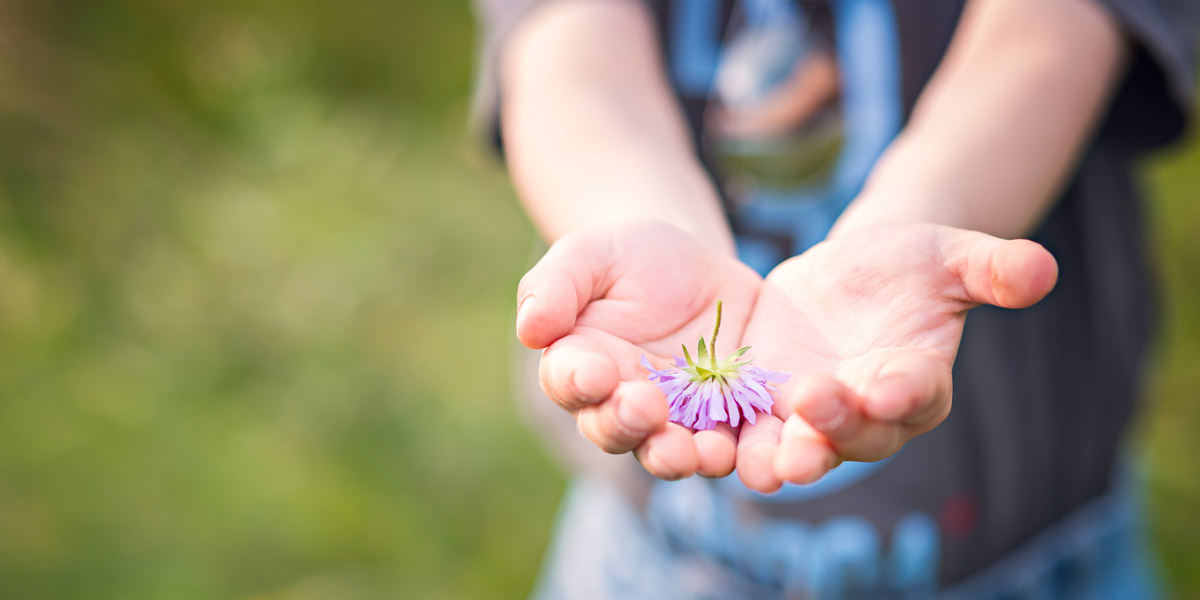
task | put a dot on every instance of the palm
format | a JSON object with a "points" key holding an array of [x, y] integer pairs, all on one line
{"points": [[850, 312], [663, 294]]}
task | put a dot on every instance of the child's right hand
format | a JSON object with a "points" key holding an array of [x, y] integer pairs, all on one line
{"points": [[601, 299]]}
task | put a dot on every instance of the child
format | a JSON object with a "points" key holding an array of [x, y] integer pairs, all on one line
{"points": [[960, 127]]}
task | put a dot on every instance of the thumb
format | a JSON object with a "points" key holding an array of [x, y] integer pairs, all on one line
{"points": [[553, 293], [1005, 273]]}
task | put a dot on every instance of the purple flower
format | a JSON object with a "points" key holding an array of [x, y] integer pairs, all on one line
{"points": [[708, 390]]}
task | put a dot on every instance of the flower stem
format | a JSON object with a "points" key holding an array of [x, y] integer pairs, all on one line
{"points": [[712, 346]]}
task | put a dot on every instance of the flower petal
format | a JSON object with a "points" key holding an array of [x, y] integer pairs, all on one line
{"points": [[750, 416], [716, 404], [733, 393], [741, 395], [759, 396], [691, 409], [731, 408], [767, 375]]}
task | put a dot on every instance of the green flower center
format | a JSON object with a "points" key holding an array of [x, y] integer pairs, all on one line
{"points": [[706, 366]]}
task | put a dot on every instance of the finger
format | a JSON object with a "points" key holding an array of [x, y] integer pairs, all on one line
{"points": [[715, 449], [833, 413], [757, 446], [668, 453], [553, 293], [904, 397], [913, 388], [576, 371], [827, 405], [624, 420], [1011, 274], [804, 455]]}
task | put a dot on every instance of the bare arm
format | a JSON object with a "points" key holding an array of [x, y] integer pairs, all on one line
{"points": [[592, 131], [1002, 122], [601, 158], [881, 304]]}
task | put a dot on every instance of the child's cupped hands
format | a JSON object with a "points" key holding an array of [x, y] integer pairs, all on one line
{"points": [[867, 325]]}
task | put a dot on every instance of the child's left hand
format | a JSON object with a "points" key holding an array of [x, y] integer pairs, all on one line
{"points": [[869, 323]]}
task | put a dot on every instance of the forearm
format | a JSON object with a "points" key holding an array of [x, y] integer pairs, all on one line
{"points": [[1001, 124], [592, 131]]}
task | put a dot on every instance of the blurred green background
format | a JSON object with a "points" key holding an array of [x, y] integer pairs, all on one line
{"points": [[256, 291]]}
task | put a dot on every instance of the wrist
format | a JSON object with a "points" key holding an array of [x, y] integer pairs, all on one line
{"points": [[657, 227], [872, 208], [690, 208]]}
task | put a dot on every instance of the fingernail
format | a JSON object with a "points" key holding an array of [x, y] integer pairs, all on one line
{"points": [[523, 309], [794, 427], [629, 421], [581, 394], [884, 401], [826, 413], [655, 466]]}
